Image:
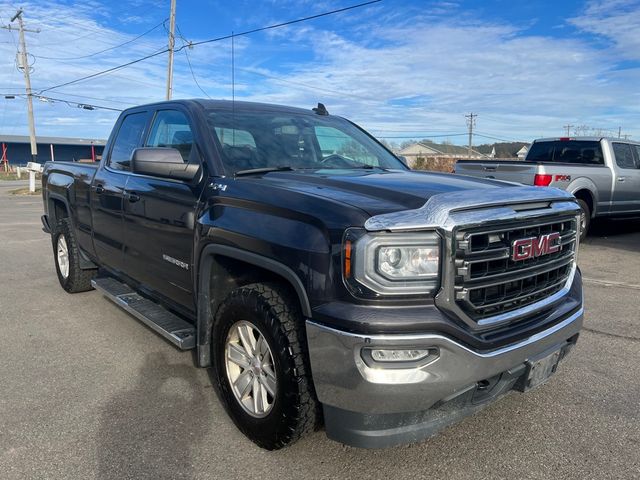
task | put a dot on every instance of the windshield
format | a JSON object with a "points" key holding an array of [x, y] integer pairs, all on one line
{"points": [[282, 139]]}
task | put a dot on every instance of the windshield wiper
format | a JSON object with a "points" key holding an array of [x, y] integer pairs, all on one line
{"points": [[254, 171]]}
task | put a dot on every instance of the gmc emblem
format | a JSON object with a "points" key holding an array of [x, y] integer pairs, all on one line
{"points": [[535, 247]]}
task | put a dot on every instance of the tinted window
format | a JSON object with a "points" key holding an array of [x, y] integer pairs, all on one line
{"points": [[624, 155], [171, 129], [301, 141], [235, 138], [128, 138], [571, 151], [637, 149], [334, 142]]}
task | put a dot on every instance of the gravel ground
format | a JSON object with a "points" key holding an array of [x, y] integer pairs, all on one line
{"points": [[88, 392]]}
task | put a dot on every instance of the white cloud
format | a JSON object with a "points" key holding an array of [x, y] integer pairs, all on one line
{"points": [[615, 20], [395, 70]]}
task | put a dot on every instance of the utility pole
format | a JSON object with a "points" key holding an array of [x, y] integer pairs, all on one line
{"points": [[23, 63], [471, 122], [568, 127], [172, 43], [619, 132]]}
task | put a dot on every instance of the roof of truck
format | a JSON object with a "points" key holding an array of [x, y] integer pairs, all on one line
{"points": [[584, 139], [234, 105]]}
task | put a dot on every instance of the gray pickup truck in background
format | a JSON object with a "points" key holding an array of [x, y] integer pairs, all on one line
{"points": [[602, 173]]}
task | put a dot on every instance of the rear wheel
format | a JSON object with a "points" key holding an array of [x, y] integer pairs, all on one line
{"points": [[260, 368], [585, 218], [67, 259]]}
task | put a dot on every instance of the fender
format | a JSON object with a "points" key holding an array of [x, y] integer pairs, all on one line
{"points": [[584, 183], [85, 261], [204, 323]]}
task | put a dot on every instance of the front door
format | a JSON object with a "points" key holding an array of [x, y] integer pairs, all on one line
{"points": [[159, 217], [107, 191]]}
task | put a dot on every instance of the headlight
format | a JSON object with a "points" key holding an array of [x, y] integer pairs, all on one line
{"points": [[395, 264]]}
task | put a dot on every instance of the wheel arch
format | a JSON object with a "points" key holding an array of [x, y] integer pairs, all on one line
{"points": [[228, 268], [584, 189], [588, 197]]}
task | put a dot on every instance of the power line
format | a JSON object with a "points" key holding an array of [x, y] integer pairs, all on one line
{"points": [[225, 37], [106, 49], [193, 75], [85, 106], [284, 24], [108, 70], [495, 138]]}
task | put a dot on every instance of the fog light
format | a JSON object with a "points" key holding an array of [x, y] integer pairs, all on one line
{"points": [[409, 355]]}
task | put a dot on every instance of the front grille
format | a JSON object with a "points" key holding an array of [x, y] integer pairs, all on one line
{"points": [[488, 282]]}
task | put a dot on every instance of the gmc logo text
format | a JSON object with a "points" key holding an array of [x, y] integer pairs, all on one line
{"points": [[532, 247]]}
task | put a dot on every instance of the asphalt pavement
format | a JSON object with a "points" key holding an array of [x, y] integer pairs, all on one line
{"points": [[86, 391]]}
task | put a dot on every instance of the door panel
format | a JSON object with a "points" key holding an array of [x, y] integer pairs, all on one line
{"points": [[159, 218], [107, 192]]}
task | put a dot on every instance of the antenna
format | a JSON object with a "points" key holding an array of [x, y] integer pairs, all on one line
{"points": [[233, 88]]}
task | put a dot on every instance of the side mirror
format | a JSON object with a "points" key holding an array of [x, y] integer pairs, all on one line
{"points": [[162, 162], [404, 160]]}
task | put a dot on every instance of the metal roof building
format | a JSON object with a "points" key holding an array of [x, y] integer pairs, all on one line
{"points": [[16, 149]]}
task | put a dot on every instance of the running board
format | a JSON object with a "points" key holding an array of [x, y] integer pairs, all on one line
{"points": [[178, 331]]}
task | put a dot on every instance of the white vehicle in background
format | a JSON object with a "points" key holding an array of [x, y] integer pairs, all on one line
{"points": [[602, 173]]}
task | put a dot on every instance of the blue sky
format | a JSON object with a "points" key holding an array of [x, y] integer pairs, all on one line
{"points": [[400, 69]]}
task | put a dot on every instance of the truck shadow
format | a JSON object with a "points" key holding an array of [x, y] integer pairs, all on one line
{"points": [[149, 431], [620, 234]]}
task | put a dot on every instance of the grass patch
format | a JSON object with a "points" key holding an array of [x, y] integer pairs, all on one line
{"points": [[25, 191], [10, 176]]}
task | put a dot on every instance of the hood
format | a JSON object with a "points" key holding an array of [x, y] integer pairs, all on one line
{"points": [[375, 191]]}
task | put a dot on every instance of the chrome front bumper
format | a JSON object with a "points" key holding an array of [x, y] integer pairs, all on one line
{"points": [[343, 379]]}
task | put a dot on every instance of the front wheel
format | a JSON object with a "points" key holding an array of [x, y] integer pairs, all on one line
{"points": [[260, 366], [66, 256]]}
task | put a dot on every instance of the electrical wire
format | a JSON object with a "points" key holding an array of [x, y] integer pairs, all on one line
{"points": [[186, 54], [202, 42], [193, 75], [106, 49], [284, 24], [85, 106]]}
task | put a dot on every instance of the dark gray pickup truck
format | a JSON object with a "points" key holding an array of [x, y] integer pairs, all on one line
{"points": [[315, 275]]}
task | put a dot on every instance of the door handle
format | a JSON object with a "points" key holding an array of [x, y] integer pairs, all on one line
{"points": [[99, 189], [622, 179], [133, 197]]}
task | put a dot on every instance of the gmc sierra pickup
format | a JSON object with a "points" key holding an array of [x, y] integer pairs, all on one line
{"points": [[602, 173], [316, 275]]}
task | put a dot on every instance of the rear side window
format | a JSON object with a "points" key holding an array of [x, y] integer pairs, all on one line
{"points": [[572, 151], [171, 129], [624, 155], [128, 138]]}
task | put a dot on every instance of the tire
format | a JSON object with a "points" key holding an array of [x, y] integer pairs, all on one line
{"points": [[293, 410], [71, 277], [585, 219]]}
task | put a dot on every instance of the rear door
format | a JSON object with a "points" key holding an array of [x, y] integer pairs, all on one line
{"points": [[159, 216], [626, 193], [107, 189]]}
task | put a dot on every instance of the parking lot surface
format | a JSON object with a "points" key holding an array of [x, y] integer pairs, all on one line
{"points": [[86, 391]]}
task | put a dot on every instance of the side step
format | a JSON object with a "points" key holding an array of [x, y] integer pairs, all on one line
{"points": [[178, 331]]}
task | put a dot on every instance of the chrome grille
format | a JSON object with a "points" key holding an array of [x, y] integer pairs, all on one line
{"points": [[488, 282]]}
